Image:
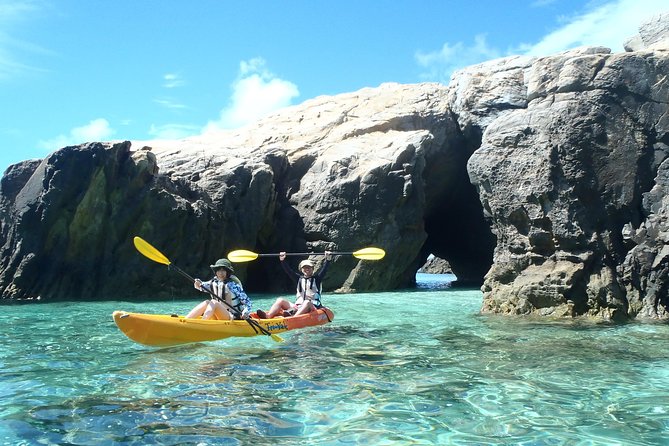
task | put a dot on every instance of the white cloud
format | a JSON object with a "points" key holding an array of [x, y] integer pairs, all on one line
{"points": [[609, 25], [255, 93], [96, 130]]}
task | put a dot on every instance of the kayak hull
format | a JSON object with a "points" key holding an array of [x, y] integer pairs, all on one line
{"points": [[160, 330]]}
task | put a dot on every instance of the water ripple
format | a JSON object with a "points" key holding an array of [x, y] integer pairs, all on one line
{"points": [[392, 378]]}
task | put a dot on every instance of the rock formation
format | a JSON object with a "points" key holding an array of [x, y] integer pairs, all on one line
{"points": [[435, 265], [542, 178], [573, 184], [371, 168]]}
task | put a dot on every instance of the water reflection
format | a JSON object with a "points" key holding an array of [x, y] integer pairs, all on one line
{"points": [[427, 282]]}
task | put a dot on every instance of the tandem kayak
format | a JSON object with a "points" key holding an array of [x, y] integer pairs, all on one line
{"points": [[161, 330]]}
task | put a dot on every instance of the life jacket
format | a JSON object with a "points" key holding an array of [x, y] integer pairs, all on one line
{"points": [[239, 300], [217, 287], [309, 289]]}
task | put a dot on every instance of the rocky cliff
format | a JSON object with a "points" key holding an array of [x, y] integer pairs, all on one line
{"points": [[542, 178], [371, 168], [573, 185]]}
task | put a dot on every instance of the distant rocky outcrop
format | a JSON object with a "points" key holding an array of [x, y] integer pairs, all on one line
{"points": [[543, 179], [435, 265]]}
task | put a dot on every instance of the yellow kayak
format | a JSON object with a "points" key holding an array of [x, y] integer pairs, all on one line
{"points": [[160, 330]]}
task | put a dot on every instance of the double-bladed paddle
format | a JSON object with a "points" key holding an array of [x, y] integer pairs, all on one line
{"points": [[147, 250], [243, 255]]}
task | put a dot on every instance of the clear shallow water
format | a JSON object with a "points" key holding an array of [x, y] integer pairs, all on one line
{"points": [[414, 367]]}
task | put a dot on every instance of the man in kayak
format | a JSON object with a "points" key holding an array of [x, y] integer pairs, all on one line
{"points": [[309, 286], [228, 288]]}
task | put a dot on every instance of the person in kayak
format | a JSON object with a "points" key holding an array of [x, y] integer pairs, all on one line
{"points": [[309, 286], [227, 287]]}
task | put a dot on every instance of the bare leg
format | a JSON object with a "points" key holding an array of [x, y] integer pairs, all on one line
{"points": [[215, 310], [305, 308], [279, 306], [198, 310]]}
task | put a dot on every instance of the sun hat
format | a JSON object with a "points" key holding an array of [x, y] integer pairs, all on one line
{"points": [[222, 263], [307, 262]]}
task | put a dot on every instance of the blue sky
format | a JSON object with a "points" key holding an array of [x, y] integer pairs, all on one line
{"points": [[73, 71]]}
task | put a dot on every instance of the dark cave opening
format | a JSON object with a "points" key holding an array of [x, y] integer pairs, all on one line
{"points": [[458, 233], [453, 220]]}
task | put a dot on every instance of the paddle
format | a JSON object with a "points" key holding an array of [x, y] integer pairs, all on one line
{"points": [[146, 249], [243, 255]]}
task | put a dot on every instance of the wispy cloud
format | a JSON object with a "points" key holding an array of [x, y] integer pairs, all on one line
{"points": [[169, 103], [96, 130], [173, 80], [440, 64], [541, 3], [13, 13], [15, 10], [607, 24], [255, 93], [9, 66]]}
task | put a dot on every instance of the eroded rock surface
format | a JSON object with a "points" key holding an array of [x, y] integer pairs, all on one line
{"points": [[563, 181], [340, 173], [545, 179]]}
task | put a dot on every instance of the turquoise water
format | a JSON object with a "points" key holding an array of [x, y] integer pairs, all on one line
{"points": [[414, 367]]}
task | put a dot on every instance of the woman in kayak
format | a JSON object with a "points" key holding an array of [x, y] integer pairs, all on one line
{"points": [[309, 286], [227, 288]]}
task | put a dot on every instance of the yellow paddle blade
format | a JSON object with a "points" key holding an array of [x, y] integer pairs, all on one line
{"points": [[369, 254], [149, 251], [277, 338], [242, 255]]}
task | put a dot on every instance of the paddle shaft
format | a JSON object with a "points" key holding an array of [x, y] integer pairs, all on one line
{"points": [[244, 255], [334, 253]]}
